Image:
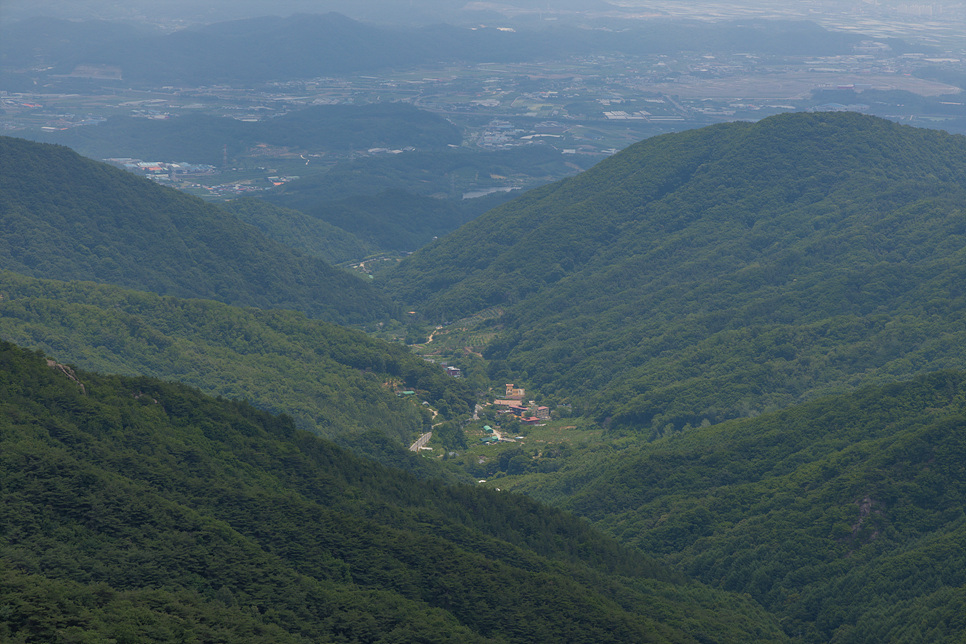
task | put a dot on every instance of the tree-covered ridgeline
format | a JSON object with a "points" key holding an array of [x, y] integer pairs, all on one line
{"points": [[70, 218], [719, 272], [331, 380], [136, 510], [844, 517], [305, 233]]}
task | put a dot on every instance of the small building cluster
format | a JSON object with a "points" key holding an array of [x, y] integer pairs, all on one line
{"points": [[512, 397], [157, 168], [491, 436], [530, 413]]}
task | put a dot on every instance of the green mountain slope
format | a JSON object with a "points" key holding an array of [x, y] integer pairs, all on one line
{"points": [[66, 217], [331, 380], [306, 234], [138, 511], [720, 272], [844, 516], [394, 220]]}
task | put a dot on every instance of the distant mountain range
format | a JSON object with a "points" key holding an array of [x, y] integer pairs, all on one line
{"points": [[311, 45], [404, 12], [719, 272]]}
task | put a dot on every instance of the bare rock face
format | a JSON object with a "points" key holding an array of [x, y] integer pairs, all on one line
{"points": [[67, 371]]}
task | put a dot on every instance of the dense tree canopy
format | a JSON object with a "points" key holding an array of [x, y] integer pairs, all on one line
{"points": [[305, 233], [844, 516], [134, 510]]}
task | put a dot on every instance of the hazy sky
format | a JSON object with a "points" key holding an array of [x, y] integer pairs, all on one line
{"points": [[194, 11], [902, 18]]}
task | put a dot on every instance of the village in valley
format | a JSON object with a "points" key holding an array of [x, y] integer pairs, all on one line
{"points": [[509, 432], [512, 403]]}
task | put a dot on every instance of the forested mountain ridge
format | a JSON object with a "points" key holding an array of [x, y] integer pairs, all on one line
{"points": [[140, 511], [336, 382], [721, 271], [844, 516], [69, 218]]}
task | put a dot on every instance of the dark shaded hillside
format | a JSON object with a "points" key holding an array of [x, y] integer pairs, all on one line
{"points": [[844, 517], [139, 511], [202, 138], [393, 220], [444, 173], [401, 202], [720, 272], [304, 233], [66, 217]]}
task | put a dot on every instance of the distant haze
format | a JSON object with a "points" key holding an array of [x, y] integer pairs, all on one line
{"points": [[384, 11], [181, 12]]}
